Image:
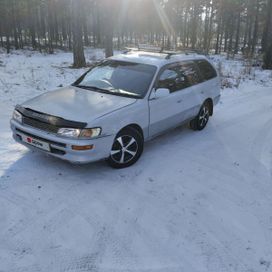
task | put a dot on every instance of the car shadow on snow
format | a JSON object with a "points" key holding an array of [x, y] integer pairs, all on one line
{"points": [[36, 164]]}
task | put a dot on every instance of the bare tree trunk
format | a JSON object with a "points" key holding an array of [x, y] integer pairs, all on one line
{"points": [[246, 33], [7, 23], [108, 20], [210, 32], [50, 27], [231, 30], [78, 50], [85, 31], [237, 38], [108, 41], [206, 28], [267, 38], [185, 28], [14, 25], [194, 27], [255, 31]]}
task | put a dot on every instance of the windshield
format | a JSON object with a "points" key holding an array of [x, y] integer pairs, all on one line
{"points": [[118, 77]]}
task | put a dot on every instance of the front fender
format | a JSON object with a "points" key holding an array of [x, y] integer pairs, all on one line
{"points": [[113, 122]]}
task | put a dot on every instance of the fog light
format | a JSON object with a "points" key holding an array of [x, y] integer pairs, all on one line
{"points": [[82, 147]]}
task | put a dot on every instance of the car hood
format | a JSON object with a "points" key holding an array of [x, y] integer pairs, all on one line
{"points": [[76, 104]]}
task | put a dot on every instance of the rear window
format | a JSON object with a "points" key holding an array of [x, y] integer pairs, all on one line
{"points": [[206, 69]]}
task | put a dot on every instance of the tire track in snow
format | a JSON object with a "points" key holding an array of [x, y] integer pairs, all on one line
{"points": [[103, 237], [262, 146]]}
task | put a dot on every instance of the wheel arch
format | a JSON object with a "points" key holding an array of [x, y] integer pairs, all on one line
{"points": [[135, 127]]}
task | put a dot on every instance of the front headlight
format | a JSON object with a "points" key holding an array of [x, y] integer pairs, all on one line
{"points": [[69, 132], [17, 116], [90, 133], [87, 133]]}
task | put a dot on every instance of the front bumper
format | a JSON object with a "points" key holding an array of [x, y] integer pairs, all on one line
{"points": [[61, 147]]}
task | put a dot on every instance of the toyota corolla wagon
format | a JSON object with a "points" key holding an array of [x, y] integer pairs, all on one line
{"points": [[117, 105]]}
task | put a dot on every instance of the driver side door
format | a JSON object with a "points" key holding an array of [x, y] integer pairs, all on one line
{"points": [[166, 112]]}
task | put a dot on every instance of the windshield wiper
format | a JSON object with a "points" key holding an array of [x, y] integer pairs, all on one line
{"points": [[93, 88], [123, 92], [109, 91]]}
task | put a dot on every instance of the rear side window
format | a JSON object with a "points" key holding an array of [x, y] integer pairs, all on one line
{"points": [[206, 69], [179, 76], [189, 73]]}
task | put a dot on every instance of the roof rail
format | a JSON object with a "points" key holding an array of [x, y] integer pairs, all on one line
{"points": [[150, 48], [144, 47], [168, 53], [186, 51], [129, 49]]}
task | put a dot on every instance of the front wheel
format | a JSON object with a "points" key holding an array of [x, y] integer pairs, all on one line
{"points": [[202, 118], [126, 149]]}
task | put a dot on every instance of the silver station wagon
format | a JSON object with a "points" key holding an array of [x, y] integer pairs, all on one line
{"points": [[117, 105]]}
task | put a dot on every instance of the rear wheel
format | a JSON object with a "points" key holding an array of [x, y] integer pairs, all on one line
{"points": [[126, 149], [202, 118]]}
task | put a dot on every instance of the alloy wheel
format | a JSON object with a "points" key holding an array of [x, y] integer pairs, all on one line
{"points": [[124, 149], [204, 116]]}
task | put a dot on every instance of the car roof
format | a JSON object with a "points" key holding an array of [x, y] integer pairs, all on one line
{"points": [[156, 59]]}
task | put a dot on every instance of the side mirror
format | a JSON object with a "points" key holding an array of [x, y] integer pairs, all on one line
{"points": [[159, 93]]}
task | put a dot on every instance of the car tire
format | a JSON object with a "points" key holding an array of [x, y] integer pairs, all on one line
{"points": [[127, 148], [201, 120]]}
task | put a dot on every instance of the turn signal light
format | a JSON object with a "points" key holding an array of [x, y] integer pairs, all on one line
{"points": [[82, 147]]}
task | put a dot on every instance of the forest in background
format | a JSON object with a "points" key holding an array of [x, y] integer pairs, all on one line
{"points": [[230, 26]]}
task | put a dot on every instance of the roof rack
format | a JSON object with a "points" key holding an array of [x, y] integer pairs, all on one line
{"points": [[150, 48], [168, 53], [185, 51], [144, 47]]}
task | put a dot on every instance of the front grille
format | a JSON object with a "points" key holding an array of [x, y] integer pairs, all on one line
{"points": [[40, 138], [52, 150], [57, 151], [39, 125]]}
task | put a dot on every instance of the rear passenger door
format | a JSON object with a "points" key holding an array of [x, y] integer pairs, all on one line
{"points": [[192, 94], [211, 82], [181, 104]]}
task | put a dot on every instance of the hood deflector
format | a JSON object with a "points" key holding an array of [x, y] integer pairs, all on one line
{"points": [[49, 119]]}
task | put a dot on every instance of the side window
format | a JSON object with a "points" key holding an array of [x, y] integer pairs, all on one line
{"points": [[168, 79], [206, 69], [179, 77], [189, 72]]}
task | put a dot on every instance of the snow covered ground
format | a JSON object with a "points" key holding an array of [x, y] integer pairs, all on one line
{"points": [[195, 202]]}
